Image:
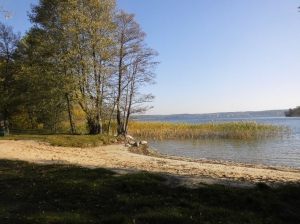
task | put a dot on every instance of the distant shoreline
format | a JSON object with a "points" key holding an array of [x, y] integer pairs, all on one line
{"points": [[242, 114]]}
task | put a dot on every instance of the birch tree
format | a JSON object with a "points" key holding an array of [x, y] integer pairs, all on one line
{"points": [[135, 68]]}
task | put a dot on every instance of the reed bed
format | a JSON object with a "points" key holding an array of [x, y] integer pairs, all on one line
{"points": [[222, 130]]}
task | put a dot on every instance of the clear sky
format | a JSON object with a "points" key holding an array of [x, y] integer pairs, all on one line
{"points": [[216, 55]]}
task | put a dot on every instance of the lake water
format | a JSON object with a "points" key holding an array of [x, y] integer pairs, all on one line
{"points": [[278, 151]]}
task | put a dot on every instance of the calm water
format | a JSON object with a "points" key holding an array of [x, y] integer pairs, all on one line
{"points": [[279, 151]]}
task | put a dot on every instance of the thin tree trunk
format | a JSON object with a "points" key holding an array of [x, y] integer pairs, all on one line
{"points": [[120, 123], [70, 112], [6, 121], [110, 119], [129, 107], [97, 80], [125, 111], [120, 130]]}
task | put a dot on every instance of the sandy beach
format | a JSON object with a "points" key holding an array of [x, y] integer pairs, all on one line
{"points": [[178, 170]]}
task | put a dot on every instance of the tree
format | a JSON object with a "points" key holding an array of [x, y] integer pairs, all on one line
{"points": [[84, 50], [293, 112], [41, 84], [135, 68], [91, 57], [8, 44], [139, 73], [49, 30], [92, 26]]}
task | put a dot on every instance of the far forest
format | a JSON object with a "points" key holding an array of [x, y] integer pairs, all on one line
{"points": [[293, 112]]}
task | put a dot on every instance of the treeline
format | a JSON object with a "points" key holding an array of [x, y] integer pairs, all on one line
{"points": [[293, 112], [81, 60]]}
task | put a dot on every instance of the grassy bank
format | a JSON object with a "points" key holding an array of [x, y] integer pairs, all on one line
{"points": [[61, 139], [229, 130], [32, 193], [161, 130]]}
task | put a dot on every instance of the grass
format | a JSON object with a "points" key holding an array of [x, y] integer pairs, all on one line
{"points": [[32, 193], [159, 131], [226, 130], [65, 140]]}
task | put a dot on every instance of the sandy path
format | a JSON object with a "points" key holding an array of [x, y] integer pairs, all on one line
{"points": [[121, 159]]}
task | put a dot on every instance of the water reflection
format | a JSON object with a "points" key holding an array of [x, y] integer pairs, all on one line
{"points": [[255, 151]]}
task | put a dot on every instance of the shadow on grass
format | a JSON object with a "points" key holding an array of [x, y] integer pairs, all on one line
{"points": [[31, 193]]}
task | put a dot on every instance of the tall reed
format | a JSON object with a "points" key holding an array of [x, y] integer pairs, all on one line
{"points": [[226, 130]]}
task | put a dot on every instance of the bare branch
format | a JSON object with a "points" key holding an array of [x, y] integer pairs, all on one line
{"points": [[7, 14]]}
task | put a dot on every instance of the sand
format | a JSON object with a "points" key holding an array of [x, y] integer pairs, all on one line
{"points": [[177, 170]]}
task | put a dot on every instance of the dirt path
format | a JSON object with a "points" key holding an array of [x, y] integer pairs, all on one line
{"points": [[178, 170]]}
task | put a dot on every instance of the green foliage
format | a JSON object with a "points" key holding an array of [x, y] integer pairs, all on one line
{"points": [[70, 60], [32, 193], [8, 44], [40, 87], [230, 130], [293, 112]]}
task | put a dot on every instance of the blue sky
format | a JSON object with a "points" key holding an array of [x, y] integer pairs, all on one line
{"points": [[216, 55]]}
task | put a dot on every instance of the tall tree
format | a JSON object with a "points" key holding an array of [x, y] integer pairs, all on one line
{"points": [[40, 80], [93, 27], [83, 51], [135, 68], [8, 44], [49, 29], [140, 73]]}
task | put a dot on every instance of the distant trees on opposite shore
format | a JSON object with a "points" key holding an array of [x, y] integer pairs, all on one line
{"points": [[293, 112]]}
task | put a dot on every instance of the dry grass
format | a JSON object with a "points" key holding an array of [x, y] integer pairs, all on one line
{"points": [[227, 130], [64, 140]]}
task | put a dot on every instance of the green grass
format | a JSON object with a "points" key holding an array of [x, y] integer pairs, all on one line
{"points": [[226, 130], [31, 193], [65, 140]]}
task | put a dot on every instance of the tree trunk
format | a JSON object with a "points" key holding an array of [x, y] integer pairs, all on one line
{"points": [[72, 124], [110, 119], [94, 125], [129, 106], [121, 130]]}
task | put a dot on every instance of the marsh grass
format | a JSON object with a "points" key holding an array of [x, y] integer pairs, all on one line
{"points": [[226, 130], [65, 140], [32, 193]]}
